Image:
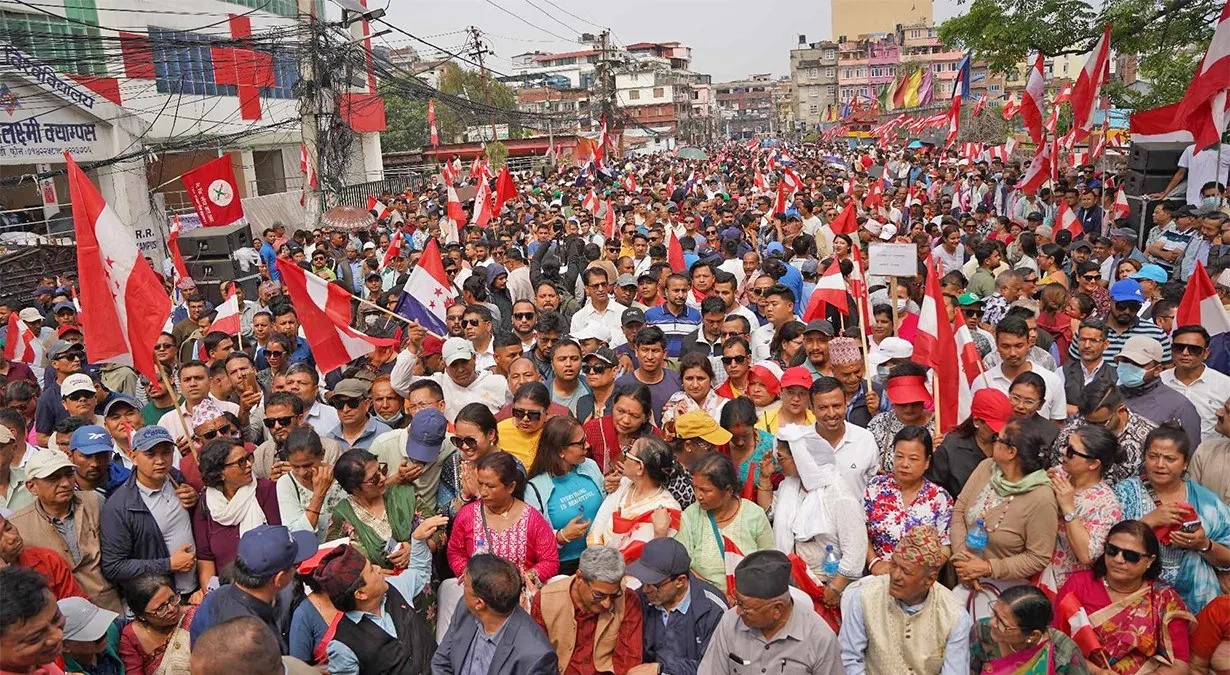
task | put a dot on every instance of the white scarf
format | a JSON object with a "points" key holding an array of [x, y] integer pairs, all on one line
{"points": [[798, 512], [243, 509]]}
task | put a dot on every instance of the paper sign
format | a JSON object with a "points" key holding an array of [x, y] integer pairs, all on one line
{"points": [[893, 260]]}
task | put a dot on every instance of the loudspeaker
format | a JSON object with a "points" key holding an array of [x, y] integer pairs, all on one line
{"points": [[1138, 183], [215, 242], [1159, 158], [218, 269], [211, 289]]}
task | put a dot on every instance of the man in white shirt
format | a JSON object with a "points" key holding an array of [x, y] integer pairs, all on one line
{"points": [[461, 381], [854, 446], [1209, 165], [600, 308], [1206, 388], [1012, 342]]}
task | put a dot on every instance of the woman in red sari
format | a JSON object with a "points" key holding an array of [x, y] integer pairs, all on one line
{"points": [[608, 437], [1141, 624]]}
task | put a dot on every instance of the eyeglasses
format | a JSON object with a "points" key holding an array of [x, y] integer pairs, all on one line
{"points": [[596, 368], [171, 603], [600, 597], [1185, 348], [465, 441], [1071, 452], [531, 415], [758, 292], [998, 621], [1128, 555], [1091, 277], [344, 403], [1017, 399], [272, 422], [740, 359], [164, 346], [382, 470], [248, 459], [470, 323], [627, 453], [731, 334], [1127, 306], [277, 353], [523, 316], [600, 284], [79, 396], [68, 357]]}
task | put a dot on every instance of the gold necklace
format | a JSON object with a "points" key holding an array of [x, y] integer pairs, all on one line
{"points": [[504, 513]]}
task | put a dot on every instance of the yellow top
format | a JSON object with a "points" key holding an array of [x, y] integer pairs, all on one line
{"points": [[517, 443]]}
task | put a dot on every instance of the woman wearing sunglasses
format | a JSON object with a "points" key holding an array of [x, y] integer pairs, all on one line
{"points": [[641, 508], [1191, 522], [475, 435], [1087, 505], [1089, 281], [376, 515], [519, 434], [566, 487], [1140, 621], [234, 501]]}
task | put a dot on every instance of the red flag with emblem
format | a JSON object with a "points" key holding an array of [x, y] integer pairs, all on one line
{"points": [[1032, 103], [935, 346], [1065, 219], [431, 123], [394, 249], [213, 192], [227, 319], [482, 205]]}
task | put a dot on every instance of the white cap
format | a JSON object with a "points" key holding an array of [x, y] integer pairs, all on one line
{"points": [[890, 348], [75, 383], [369, 245], [593, 331], [456, 349], [29, 315], [83, 620], [1223, 280], [888, 231]]}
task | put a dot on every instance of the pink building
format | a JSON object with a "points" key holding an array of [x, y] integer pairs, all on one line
{"points": [[921, 44], [865, 65]]}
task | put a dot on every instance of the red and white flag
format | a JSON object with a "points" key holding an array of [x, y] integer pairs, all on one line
{"points": [[505, 189], [311, 181], [431, 123], [123, 305], [1205, 107], [1011, 108], [1121, 209], [935, 346], [1089, 84], [846, 222], [379, 207], [179, 269], [227, 319], [21, 344], [1200, 305], [453, 209], [1159, 125], [1039, 171], [394, 249], [324, 313], [630, 182], [482, 204], [1033, 100], [590, 202], [670, 186], [1065, 219], [970, 362], [731, 557], [608, 222], [759, 182], [448, 175], [214, 192], [792, 180], [674, 252], [783, 199], [1073, 619], [830, 291]]}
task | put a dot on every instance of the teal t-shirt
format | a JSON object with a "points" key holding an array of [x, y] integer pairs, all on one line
{"points": [[573, 495]]}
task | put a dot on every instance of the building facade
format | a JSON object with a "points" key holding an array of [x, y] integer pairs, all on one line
{"points": [[813, 75], [851, 18], [745, 107]]}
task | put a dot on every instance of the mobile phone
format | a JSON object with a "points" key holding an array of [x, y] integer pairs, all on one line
{"points": [[1190, 526], [391, 546]]}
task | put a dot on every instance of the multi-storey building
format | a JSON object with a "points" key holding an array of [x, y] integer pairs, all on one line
{"points": [[746, 107], [865, 65], [813, 74]]}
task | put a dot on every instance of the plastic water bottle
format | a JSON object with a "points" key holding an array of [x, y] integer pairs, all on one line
{"points": [[831, 561], [480, 546], [976, 539]]}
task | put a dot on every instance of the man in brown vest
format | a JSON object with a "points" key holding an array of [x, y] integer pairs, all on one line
{"points": [[593, 622], [904, 622]]}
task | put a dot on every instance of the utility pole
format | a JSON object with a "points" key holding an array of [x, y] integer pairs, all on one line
{"points": [[309, 105], [478, 51], [606, 78]]}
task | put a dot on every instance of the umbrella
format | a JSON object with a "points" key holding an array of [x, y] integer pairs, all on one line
{"points": [[692, 153], [915, 144], [347, 219]]}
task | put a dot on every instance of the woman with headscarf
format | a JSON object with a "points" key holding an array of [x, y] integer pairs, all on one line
{"points": [[814, 512]]}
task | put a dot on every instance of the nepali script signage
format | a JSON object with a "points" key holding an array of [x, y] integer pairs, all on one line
{"points": [[36, 128], [47, 76]]}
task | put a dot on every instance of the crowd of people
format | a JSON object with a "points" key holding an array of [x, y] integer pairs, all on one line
{"points": [[641, 446]]}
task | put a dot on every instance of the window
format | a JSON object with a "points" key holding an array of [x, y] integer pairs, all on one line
{"points": [[287, 8], [830, 73], [813, 73], [659, 92], [184, 64], [634, 95], [830, 54], [814, 93], [64, 45], [832, 92], [815, 110]]}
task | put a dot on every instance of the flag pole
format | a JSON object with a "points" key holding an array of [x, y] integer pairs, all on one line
{"points": [[183, 421], [395, 315]]}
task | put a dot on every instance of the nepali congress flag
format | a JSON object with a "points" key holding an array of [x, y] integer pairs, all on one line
{"points": [[227, 319], [427, 296], [21, 345], [213, 191], [123, 305], [1200, 305], [731, 556], [324, 313], [830, 290]]}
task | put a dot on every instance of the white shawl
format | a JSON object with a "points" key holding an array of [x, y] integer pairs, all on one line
{"points": [[798, 513], [243, 509]]}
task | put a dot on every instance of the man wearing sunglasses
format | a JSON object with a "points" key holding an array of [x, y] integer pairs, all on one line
{"points": [[600, 308], [1206, 388], [283, 414], [1124, 322], [65, 358], [524, 322], [80, 396], [1139, 378], [356, 427]]}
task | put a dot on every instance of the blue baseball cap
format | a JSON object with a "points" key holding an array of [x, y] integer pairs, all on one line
{"points": [[774, 247], [1151, 272], [116, 398], [1127, 290], [426, 435], [147, 438], [268, 549], [90, 440], [63, 305]]}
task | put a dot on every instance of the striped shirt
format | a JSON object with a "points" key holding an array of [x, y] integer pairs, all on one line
{"points": [[1115, 339], [1173, 240], [675, 327]]}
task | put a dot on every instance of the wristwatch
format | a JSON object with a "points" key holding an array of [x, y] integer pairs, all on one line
{"points": [[1069, 517]]}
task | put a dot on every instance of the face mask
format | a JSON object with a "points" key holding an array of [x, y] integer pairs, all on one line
{"points": [[389, 420], [1130, 374], [1210, 202], [882, 372]]}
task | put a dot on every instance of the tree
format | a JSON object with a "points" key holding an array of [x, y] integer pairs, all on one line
{"points": [[405, 109], [1169, 36], [406, 121]]}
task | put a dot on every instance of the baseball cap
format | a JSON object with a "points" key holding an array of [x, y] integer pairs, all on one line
{"points": [[593, 330], [907, 389], [432, 346], [625, 280], [1083, 243], [64, 305], [774, 247], [1142, 350], [59, 348], [1036, 215], [798, 376], [350, 388], [1152, 272], [632, 315], [604, 354], [993, 407], [809, 267], [661, 559], [146, 439], [68, 328], [1223, 279], [456, 349], [1185, 211], [888, 231], [116, 398], [268, 549], [820, 325], [371, 245], [1125, 232], [77, 382], [29, 315], [968, 300], [426, 435], [1127, 290], [90, 440], [44, 290], [83, 620], [890, 348], [700, 424], [45, 463]]}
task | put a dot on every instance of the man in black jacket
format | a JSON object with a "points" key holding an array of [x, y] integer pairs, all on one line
{"points": [[681, 611], [146, 523]]}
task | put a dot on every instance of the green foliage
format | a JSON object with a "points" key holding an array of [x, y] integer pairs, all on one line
{"points": [[406, 122], [407, 115], [497, 153], [1169, 36]]}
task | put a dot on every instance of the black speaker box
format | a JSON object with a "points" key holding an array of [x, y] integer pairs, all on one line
{"points": [[217, 269], [1137, 183], [215, 242], [212, 288], [1160, 158]]}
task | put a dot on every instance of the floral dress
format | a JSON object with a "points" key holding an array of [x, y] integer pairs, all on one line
{"points": [[889, 517], [1099, 510]]}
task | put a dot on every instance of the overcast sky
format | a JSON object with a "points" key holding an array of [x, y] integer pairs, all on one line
{"points": [[728, 41]]}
